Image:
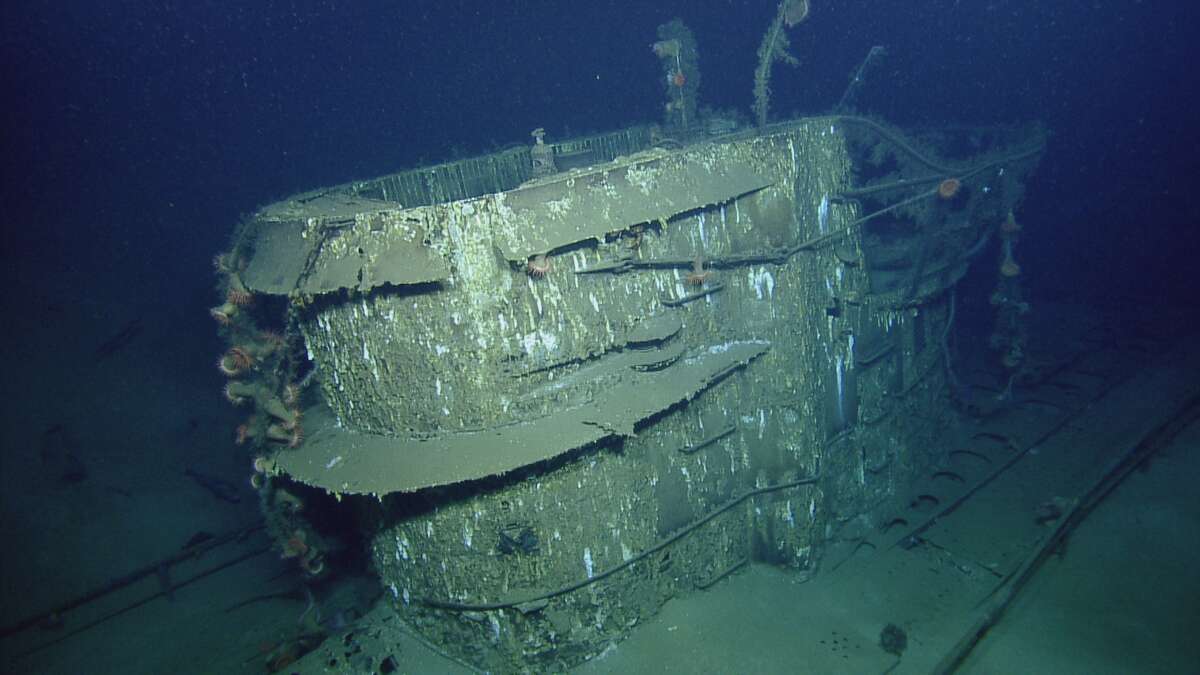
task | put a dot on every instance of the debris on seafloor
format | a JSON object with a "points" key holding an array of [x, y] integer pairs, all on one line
{"points": [[893, 639], [59, 454], [119, 341], [220, 488]]}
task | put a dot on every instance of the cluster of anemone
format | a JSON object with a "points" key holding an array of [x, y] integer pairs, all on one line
{"points": [[282, 415], [296, 540], [310, 557], [284, 424], [292, 437], [256, 365], [237, 296], [286, 417], [250, 364]]}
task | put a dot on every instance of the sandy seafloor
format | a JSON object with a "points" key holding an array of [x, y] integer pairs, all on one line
{"points": [[1122, 598]]}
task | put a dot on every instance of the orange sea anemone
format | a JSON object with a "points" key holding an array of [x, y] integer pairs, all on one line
{"points": [[948, 188], [224, 314], [698, 275], [678, 79], [239, 296], [240, 356], [286, 416], [246, 431], [234, 362], [290, 394], [292, 437], [263, 464], [237, 293], [538, 266], [1010, 226], [296, 545], [236, 392]]}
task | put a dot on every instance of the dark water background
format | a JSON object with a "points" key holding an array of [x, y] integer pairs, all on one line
{"points": [[135, 133]]}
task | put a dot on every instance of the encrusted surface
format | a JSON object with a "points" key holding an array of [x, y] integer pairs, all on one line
{"points": [[556, 337], [348, 462], [415, 362], [328, 242], [644, 188], [579, 410]]}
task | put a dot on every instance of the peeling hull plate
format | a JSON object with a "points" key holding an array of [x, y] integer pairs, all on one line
{"points": [[328, 242], [353, 463], [586, 206]]}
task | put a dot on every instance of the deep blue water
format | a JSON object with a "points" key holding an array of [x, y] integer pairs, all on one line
{"points": [[166, 120]]}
